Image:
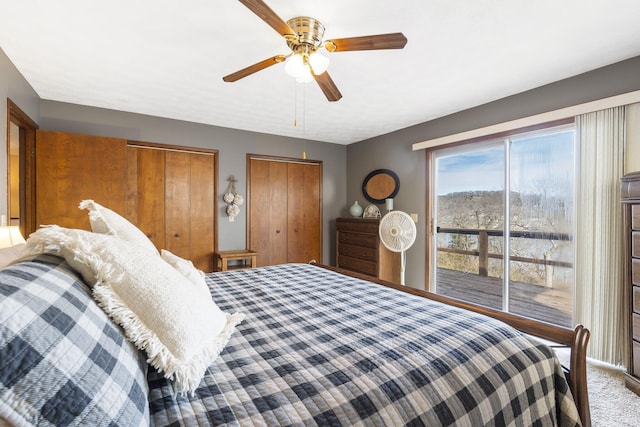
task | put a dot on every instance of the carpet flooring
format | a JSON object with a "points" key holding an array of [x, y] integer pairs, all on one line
{"points": [[611, 403]]}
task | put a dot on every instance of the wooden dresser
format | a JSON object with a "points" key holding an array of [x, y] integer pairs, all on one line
{"points": [[630, 197], [359, 249]]}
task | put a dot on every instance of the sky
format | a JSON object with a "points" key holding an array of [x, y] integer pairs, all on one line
{"points": [[538, 162]]}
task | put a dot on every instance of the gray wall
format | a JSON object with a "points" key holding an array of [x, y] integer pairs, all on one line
{"points": [[393, 151], [232, 145], [16, 88]]}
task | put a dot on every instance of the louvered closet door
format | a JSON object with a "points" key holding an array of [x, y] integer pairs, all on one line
{"points": [[268, 211], [73, 167]]}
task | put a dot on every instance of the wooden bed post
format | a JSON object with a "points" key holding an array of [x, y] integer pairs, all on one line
{"points": [[578, 373]]}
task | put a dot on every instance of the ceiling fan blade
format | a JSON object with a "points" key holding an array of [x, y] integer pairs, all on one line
{"points": [[265, 13], [254, 68], [328, 87], [380, 41]]}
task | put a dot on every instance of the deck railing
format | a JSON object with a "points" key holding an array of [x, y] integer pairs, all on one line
{"points": [[483, 253]]}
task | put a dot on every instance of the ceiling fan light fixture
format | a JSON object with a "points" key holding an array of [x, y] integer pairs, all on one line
{"points": [[319, 63], [302, 65], [296, 67]]}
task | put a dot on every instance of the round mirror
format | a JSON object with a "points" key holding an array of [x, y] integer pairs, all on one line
{"points": [[379, 185]]}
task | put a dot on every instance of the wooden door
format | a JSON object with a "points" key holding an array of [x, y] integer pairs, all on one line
{"points": [[177, 203], [190, 206], [304, 220], [285, 209], [267, 220], [171, 198], [203, 210], [72, 167], [145, 192]]}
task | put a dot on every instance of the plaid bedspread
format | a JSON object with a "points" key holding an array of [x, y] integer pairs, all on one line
{"points": [[320, 348], [63, 362]]}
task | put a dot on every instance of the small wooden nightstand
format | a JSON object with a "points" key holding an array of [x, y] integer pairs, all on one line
{"points": [[221, 259]]}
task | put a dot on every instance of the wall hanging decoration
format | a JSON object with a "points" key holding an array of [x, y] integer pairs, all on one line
{"points": [[233, 199], [379, 185]]}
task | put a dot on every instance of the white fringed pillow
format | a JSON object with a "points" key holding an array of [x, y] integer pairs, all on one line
{"points": [[105, 221], [171, 318], [184, 267]]}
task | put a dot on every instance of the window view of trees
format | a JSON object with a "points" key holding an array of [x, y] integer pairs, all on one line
{"points": [[477, 223]]}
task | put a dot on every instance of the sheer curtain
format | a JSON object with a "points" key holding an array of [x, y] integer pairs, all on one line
{"points": [[600, 295]]}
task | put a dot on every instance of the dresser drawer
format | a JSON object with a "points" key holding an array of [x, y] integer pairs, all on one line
{"points": [[635, 271], [358, 225], [357, 265], [635, 217], [358, 239], [636, 299], [636, 359], [636, 326], [360, 252], [635, 244]]}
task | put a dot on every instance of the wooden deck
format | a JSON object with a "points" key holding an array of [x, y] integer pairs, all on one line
{"points": [[533, 301]]}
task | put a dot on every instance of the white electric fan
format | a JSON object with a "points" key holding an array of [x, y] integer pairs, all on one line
{"points": [[397, 233]]}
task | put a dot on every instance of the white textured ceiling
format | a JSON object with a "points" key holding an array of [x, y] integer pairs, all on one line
{"points": [[167, 58]]}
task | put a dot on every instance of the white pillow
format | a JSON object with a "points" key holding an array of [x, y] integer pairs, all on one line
{"points": [[105, 221], [184, 267], [178, 325]]}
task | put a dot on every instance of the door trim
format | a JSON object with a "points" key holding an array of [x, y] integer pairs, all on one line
{"points": [[27, 171]]}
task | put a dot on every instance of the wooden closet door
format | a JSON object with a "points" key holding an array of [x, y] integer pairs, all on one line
{"points": [[202, 209], [304, 242], [171, 198], [190, 206], [145, 193], [72, 167], [268, 211], [178, 203]]}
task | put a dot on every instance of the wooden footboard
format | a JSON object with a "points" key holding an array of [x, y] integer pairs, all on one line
{"points": [[576, 340]]}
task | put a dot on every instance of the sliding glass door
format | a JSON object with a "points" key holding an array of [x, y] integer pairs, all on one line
{"points": [[508, 250]]}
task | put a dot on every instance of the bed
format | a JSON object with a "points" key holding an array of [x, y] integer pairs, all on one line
{"points": [[100, 328], [316, 347]]}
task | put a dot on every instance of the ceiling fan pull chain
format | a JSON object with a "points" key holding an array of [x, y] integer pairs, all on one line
{"points": [[295, 104]]}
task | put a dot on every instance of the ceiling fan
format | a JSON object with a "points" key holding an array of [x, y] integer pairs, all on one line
{"points": [[304, 37]]}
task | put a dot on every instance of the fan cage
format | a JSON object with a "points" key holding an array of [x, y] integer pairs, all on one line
{"points": [[397, 231]]}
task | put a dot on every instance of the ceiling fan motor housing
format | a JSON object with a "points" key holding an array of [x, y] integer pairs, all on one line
{"points": [[308, 34]]}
